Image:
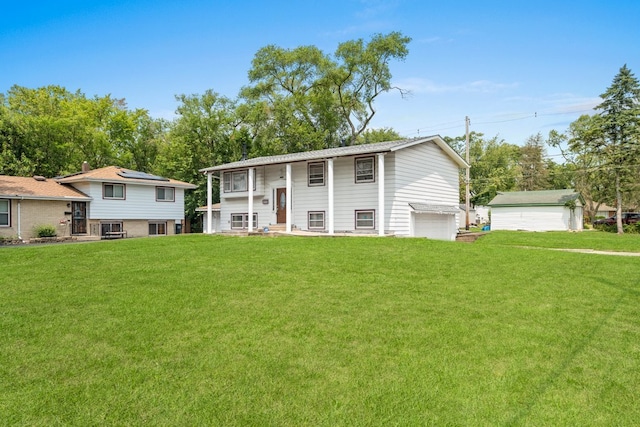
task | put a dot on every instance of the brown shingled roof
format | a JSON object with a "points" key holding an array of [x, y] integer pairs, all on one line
{"points": [[37, 188]]}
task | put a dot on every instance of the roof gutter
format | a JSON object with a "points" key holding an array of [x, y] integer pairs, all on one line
{"points": [[56, 198]]}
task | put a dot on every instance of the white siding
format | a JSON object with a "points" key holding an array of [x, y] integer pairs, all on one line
{"points": [[306, 198], [139, 203], [538, 218], [423, 173], [350, 196], [263, 198], [215, 216], [434, 226]]}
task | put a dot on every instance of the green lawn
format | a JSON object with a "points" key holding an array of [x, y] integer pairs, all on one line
{"points": [[290, 331]]}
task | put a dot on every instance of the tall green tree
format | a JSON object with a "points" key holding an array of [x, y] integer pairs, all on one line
{"points": [[13, 160], [619, 120], [303, 99], [206, 132], [589, 175], [363, 75], [50, 131], [288, 96], [378, 135], [532, 165], [605, 147], [494, 166]]}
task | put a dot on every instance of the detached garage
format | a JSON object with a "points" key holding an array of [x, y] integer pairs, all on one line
{"points": [[549, 210], [434, 221]]}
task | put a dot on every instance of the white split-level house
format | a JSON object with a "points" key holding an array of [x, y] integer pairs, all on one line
{"points": [[402, 188]]}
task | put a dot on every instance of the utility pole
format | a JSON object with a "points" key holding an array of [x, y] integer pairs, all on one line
{"points": [[466, 197]]}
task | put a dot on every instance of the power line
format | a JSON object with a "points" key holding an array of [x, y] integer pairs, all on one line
{"points": [[488, 120]]}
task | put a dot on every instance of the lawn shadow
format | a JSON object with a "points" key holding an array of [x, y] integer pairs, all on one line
{"points": [[571, 356]]}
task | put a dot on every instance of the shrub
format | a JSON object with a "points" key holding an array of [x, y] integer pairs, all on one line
{"points": [[45, 231], [632, 228], [613, 228]]}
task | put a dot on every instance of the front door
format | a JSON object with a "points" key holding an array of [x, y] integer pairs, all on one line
{"points": [[79, 220], [281, 207]]}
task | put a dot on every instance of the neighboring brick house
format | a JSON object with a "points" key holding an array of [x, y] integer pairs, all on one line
{"points": [[108, 202], [26, 203]]}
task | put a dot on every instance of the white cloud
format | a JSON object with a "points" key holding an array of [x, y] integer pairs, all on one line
{"points": [[434, 40], [374, 8], [558, 103], [420, 85]]}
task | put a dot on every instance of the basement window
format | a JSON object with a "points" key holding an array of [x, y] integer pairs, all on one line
{"points": [[365, 219], [316, 220], [157, 228], [240, 221]]}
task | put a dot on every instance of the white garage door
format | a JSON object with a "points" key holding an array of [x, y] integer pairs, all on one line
{"points": [[434, 226]]}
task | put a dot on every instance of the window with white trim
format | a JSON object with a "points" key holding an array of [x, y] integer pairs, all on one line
{"points": [[5, 213], [240, 221], [237, 181], [316, 220], [316, 174], [157, 228], [365, 219], [113, 191], [165, 194], [365, 169]]}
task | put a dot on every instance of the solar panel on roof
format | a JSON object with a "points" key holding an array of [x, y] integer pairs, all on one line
{"points": [[141, 175]]}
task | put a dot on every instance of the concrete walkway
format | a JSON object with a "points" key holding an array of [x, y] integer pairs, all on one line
{"points": [[593, 251], [583, 251]]}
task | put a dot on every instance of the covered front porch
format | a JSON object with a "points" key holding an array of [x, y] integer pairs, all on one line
{"points": [[279, 193]]}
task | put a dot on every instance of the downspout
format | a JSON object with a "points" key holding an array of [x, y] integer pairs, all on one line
{"points": [[288, 198], [330, 207], [19, 230], [250, 199], [381, 194], [209, 196]]}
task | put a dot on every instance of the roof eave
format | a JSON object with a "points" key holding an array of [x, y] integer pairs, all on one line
{"points": [[52, 198], [184, 185], [264, 161]]}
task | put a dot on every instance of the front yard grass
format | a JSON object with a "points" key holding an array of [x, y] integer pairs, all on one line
{"points": [[588, 239], [290, 331]]}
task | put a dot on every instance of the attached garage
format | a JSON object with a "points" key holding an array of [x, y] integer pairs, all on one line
{"points": [[434, 221], [549, 210]]}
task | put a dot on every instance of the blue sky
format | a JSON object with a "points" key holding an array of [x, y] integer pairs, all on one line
{"points": [[514, 67]]}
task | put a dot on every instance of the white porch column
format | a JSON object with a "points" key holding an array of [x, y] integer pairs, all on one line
{"points": [[250, 196], [380, 194], [288, 198], [330, 207], [209, 200]]}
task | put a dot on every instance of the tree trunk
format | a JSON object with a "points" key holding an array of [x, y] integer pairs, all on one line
{"points": [[619, 205]]}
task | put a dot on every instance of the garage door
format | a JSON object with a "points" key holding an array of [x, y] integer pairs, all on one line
{"points": [[434, 226]]}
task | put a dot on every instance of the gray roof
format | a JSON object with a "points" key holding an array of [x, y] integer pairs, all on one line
{"points": [[535, 198], [352, 150], [434, 208]]}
